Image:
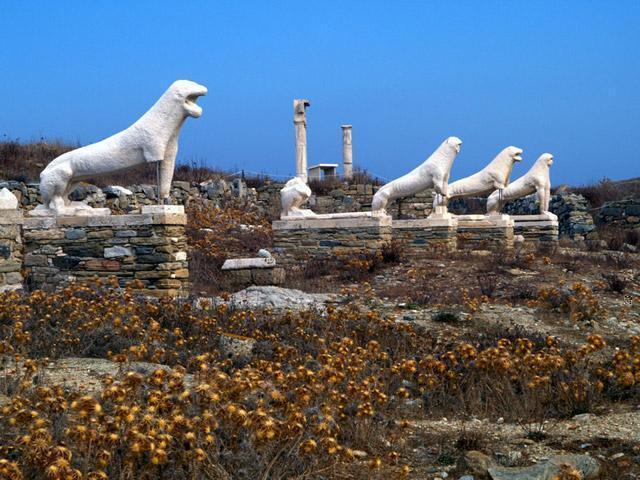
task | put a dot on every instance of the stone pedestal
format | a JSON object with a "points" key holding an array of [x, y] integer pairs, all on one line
{"points": [[10, 250], [436, 233], [485, 232], [536, 228], [296, 240], [243, 272], [150, 247]]}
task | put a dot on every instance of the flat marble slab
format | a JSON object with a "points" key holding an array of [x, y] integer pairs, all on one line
{"points": [[244, 263], [166, 209], [543, 217], [484, 221], [334, 220]]}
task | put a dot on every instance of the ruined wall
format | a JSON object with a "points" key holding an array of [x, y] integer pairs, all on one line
{"points": [[624, 214], [265, 198], [10, 250], [149, 248], [572, 210]]}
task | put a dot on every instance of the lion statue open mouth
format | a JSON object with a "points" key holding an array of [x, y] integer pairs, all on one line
{"points": [[153, 138], [433, 173], [536, 180], [493, 176]]}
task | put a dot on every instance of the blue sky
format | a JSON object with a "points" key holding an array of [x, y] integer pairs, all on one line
{"points": [[562, 77]]}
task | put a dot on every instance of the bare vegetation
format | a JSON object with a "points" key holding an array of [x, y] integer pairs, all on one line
{"points": [[607, 190]]}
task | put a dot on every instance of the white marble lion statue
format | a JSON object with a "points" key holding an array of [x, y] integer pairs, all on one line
{"points": [[536, 180], [294, 193], [433, 173], [153, 138], [493, 176]]}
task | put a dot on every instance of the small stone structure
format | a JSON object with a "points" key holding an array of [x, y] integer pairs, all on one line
{"points": [[10, 249], [574, 219], [150, 247], [536, 228], [485, 232], [296, 240], [323, 170], [438, 233], [253, 271]]}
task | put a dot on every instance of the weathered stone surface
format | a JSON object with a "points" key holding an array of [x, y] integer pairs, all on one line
{"points": [[8, 201], [588, 467], [75, 233], [268, 297], [66, 262], [117, 251], [31, 260], [237, 348], [298, 240], [13, 278], [246, 263], [83, 250]]}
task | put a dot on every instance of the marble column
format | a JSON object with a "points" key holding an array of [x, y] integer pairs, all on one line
{"points": [[300, 123], [347, 152]]}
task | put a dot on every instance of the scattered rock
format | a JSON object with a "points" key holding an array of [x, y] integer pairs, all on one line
{"points": [[475, 463], [583, 417], [85, 374], [237, 348], [277, 298], [588, 467], [114, 191]]}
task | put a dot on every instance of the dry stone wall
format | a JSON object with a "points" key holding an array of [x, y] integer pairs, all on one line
{"points": [[265, 198], [418, 236], [297, 241], [10, 250], [148, 248], [623, 214], [574, 219]]}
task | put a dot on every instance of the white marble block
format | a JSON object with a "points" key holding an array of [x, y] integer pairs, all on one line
{"points": [[294, 193], [8, 201], [243, 263]]}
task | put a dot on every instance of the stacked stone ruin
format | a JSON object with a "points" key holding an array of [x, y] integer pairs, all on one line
{"points": [[137, 234]]}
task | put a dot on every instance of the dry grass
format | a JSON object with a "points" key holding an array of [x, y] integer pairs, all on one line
{"points": [[607, 190], [24, 161], [317, 390]]}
